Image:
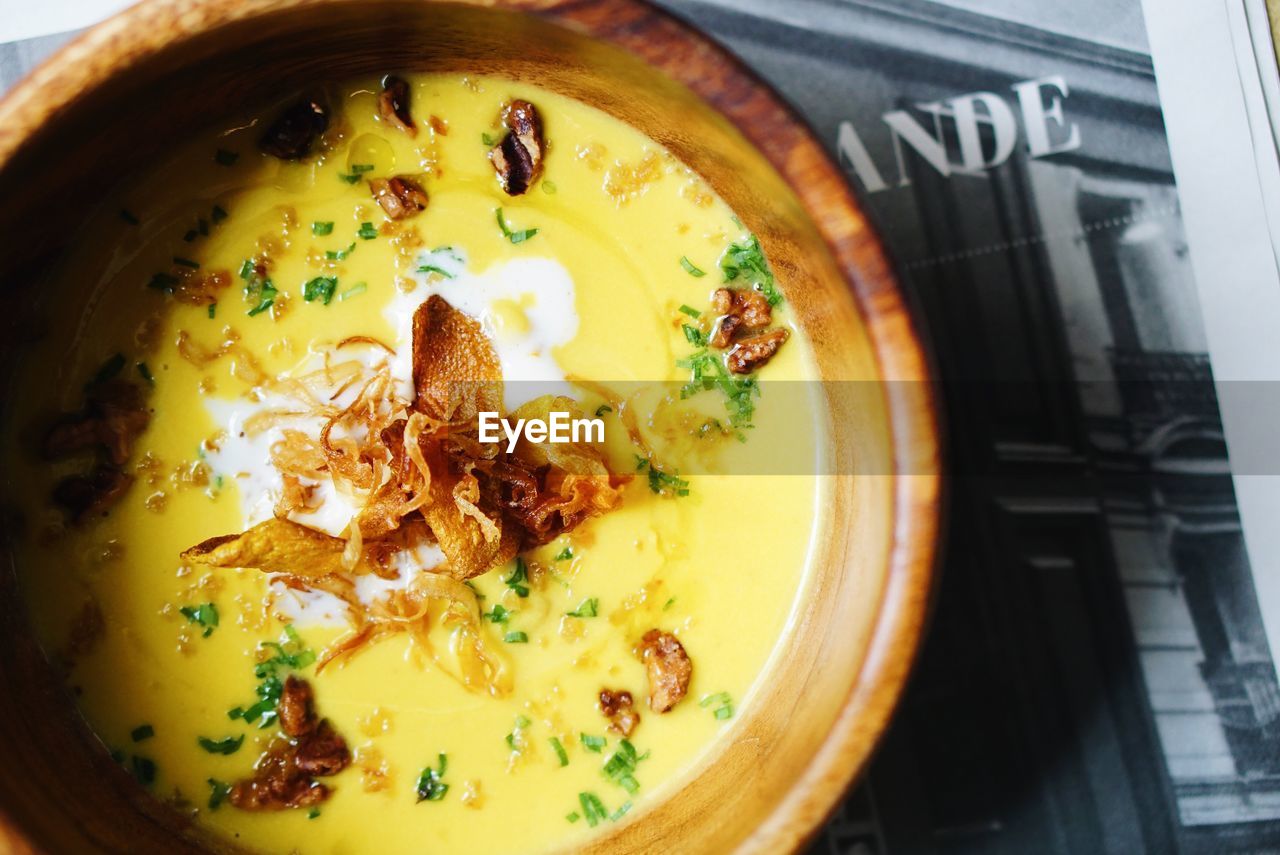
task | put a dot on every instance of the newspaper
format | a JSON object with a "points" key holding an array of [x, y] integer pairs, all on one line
{"points": [[1084, 201]]}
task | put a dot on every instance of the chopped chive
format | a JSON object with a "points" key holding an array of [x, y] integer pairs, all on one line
{"points": [[592, 809], [340, 254], [213, 309], [313, 813], [321, 229], [723, 705], [588, 608], [431, 268], [499, 614], [519, 575], [191, 235], [690, 267], [514, 236], [592, 743], [431, 786], [354, 290], [320, 288], [565, 554], [548, 187], [690, 311], [693, 335], [620, 812], [668, 604], [516, 638], [357, 169], [487, 139], [145, 373], [141, 732], [573, 817], [186, 262], [229, 745], [602, 409], [667, 484], [226, 158], [129, 217], [218, 214], [747, 260], [559, 750], [218, 792], [205, 614], [266, 298], [367, 231], [144, 770]]}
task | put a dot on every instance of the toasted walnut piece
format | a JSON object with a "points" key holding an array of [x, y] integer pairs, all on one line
{"points": [[82, 496], [393, 105], [322, 751], [517, 158], [739, 309], [297, 716], [751, 353], [399, 197], [284, 776], [618, 708], [292, 134], [668, 667], [277, 782]]}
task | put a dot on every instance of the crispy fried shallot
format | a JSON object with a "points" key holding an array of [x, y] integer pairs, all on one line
{"points": [[417, 473]]}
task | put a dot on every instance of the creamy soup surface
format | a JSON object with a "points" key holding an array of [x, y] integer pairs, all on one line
{"points": [[458, 648]]}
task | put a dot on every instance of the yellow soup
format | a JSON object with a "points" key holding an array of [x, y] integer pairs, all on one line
{"points": [[241, 295]]}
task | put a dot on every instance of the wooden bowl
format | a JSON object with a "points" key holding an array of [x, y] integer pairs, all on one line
{"points": [[114, 99]]}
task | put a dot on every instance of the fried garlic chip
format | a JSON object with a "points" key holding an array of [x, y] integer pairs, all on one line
{"points": [[456, 372], [276, 546]]}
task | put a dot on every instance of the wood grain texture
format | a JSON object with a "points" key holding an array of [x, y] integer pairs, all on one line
{"points": [[840, 671]]}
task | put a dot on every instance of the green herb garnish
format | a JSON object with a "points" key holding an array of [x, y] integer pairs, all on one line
{"points": [[487, 139], [320, 229], [431, 268], [291, 654], [145, 373], [313, 813], [354, 290], [519, 576], [592, 743], [367, 231], [340, 254], [667, 484], [499, 614], [565, 554], [690, 311], [602, 409], [707, 371], [144, 770], [141, 732], [218, 792], [690, 267], [218, 214], [186, 262], [746, 260], [357, 169], [516, 638], [321, 288], [621, 766], [205, 615], [559, 750], [722, 702], [587, 608], [229, 745], [515, 739], [592, 809], [514, 236], [694, 336], [431, 786], [213, 310], [549, 187]]}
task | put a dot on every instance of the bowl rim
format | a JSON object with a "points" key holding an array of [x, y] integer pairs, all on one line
{"points": [[893, 331]]}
